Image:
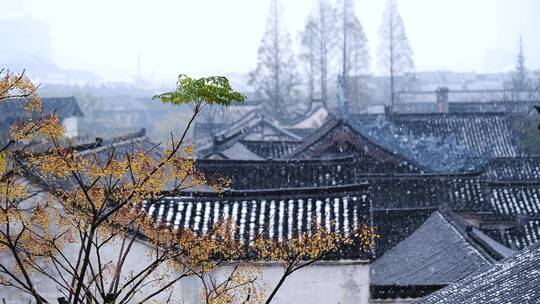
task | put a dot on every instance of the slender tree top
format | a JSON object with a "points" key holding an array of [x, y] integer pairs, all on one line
{"points": [[275, 76], [520, 66], [519, 80], [395, 53]]}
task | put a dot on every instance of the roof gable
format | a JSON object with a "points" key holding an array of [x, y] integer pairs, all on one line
{"points": [[435, 254], [339, 138], [252, 127], [239, 151]]}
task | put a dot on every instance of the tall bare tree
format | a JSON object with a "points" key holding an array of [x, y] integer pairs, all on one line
{"points": [[395, 53], [352, 42], [359, 63], [308, 55], [275, 76], [318, 43], [520, 80]]}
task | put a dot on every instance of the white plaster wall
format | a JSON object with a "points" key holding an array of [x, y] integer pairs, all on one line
{"points": [[71, 126], [344, 282]]}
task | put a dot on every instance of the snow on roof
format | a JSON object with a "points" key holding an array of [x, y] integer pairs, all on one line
{"points": [[514, 280], [278, 214], [314, 119], [435, 254], [240, 152]]}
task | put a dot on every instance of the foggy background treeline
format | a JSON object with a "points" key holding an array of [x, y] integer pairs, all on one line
{"points": [[366, 51]]}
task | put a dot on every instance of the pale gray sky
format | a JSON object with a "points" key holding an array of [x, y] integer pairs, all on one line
{"points": [[221, 36]]}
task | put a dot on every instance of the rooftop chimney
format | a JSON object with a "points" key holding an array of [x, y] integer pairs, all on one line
{"points": [[442, 99]]}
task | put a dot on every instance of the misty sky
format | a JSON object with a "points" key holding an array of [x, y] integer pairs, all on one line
{"points": [[221, 36]]}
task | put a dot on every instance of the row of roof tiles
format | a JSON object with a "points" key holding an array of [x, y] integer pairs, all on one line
{"points": [[513, 280], [438, 142]]}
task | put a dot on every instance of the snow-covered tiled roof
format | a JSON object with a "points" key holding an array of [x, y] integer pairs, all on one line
{"points": [[522, 202], [253, 126], [279, 215], [437, 253], [514, 280], [482, 135], [271, 149], [525, 233], [524, 168], [239, 151], [515, 198], [343, 138], [282, 174], [394, 225]]}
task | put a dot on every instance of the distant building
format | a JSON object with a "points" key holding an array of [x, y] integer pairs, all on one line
{"points": [[445, 100], [416, 92], [66, 108]]}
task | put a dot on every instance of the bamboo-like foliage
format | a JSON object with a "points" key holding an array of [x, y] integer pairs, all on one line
{"points": [[86, 219]]}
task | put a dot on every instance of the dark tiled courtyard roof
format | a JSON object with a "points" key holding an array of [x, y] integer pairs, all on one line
{"points": [[514, 280], [63, 107], [238, 151], [524, 168], [340, 138], [517, 205], [279, 215], [481, 134], [393, 226], [253, 126], [405, 193], [460, 192], [500, 107], [385, 293], [435, 254], [522, 199], [467, 193], [270, 149], [523, 234], [282, 174]]}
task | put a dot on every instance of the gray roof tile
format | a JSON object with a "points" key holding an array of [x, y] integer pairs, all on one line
{"points": [[435, 254], [514, 280]]}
